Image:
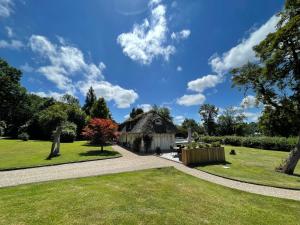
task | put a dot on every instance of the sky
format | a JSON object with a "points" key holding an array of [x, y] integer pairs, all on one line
{"points": [[136, 53]]}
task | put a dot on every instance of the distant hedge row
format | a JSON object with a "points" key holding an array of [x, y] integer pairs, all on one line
{"points": [[269, 143]]}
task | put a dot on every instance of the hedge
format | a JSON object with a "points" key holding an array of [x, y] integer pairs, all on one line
{"points": [[268, 143]]}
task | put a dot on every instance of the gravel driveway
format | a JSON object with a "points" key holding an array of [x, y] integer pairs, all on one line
{"points": [[129, 162]]}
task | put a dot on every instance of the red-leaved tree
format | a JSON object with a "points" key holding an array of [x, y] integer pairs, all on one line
{"points": [[100, 131]]}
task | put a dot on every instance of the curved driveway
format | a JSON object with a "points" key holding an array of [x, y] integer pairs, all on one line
{"points": [[129, 162]]}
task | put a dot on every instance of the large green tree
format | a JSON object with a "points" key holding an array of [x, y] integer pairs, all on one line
{"points": [[135, 111], [100, 109], [89, 101], [163, 112], [276, 77], [231, 122], [209, 114]]}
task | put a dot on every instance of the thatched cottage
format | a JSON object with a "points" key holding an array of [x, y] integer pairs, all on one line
{"points": [[148, 132]]}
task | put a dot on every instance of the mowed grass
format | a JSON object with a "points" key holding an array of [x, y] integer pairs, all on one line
{"points": [[157, 196], [20, 154], [256, 166]]}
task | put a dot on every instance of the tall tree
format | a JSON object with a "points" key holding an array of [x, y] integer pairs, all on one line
{"points": [[135, 111], [89, 101], [163, 112], [209, 113], [230, 122], [13, 107], [191, 123], [70, 99], [276, 77], [100, 109]]}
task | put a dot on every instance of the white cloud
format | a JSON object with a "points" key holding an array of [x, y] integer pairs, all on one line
{"points": [[243, 52], [179, 68], [122, 97], [67, 62], [6, 8], [9, 31], [148, 40], [12, 44], [27, 68], [251, 117], [127, 116], [189, 100], [50, 94], [145, 107], [249, 102], [184, 34], [179, 119], [205, 82]]}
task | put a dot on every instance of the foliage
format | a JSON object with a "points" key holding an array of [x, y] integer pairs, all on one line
{"points": [[68, 133], [135, 111], [100, 131], [215, 144], [230, 122], [209, 113], [23, 136], [163, 112], [147, 141], [89, 101], [70, 100], [100, 109], [136, 145], [268, 143]]}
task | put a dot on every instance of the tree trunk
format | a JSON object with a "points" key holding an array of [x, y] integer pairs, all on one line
{"points": [[289, 165], [55, 148]]}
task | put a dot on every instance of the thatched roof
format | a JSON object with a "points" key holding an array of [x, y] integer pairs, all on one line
{"points": [[146, 123]]}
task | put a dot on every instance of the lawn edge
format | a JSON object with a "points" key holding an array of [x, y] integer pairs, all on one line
{"points": [[57, 164], [249, 182]]}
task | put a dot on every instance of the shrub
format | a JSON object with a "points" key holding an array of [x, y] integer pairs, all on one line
{"points": [[23, 136], [271, 143], [216, 144], [136, 145]]}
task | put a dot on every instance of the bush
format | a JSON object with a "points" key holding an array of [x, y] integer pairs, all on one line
{"points": [[68, 133], [23, 136], [216, 144], [268, 143]]}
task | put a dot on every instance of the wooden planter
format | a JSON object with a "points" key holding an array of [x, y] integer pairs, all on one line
{"points": [[203, 155]]}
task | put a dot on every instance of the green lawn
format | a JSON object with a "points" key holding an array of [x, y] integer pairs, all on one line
{"points": [[157, 196], [255, 165], [19, 154]]}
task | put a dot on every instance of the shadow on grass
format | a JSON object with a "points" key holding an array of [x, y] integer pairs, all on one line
{"points": [[99, 153]]}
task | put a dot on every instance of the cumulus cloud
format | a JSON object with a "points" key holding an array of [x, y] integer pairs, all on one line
{"points": [[205, 82], [12, 44], [184, 34], [51, 94], [179, 119], [189, 100], [145, 107], [148, 40], [252, 116], [243, 52], [249, 101], [27, 68], [179, 68], [65, 62], [6, 8]]}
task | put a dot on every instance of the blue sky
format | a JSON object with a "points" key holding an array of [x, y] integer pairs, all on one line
{"points": [[174, 53]]}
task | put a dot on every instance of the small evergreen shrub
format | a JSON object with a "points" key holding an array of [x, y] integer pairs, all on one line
{"points": [[216, 144], [23, 136]]}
